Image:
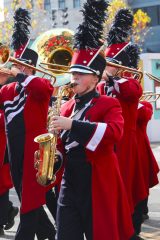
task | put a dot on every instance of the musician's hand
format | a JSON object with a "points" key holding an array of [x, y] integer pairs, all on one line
{"points": [[3, 78], [61, 123], [36, 159]]}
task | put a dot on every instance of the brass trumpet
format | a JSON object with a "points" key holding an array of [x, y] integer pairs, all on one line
{"points": [[5, 58]]}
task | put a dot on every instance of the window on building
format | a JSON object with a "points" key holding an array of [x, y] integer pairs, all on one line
{"points": [[76, 3], [32, 3], [159, 14], [47, 4], [61, 4], [153, 12]]}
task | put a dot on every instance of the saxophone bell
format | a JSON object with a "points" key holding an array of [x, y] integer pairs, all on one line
{"points": [[44, 162]]}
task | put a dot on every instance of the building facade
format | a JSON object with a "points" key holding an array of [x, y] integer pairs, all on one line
{"points": [[66, 13], [58, 14]]}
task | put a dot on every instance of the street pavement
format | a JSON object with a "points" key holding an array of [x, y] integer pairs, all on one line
{"points": [[151, 227]]}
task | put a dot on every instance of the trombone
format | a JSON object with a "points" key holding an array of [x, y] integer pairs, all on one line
{"points": [[126, 69], [66, 68], [59, 69], [153, 77], [157, 96], [5, 58], [148, 97]]}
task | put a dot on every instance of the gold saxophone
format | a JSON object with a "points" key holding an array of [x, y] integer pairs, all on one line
{"points": [[45, 157]]}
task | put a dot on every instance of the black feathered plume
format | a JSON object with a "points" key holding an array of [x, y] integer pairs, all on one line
{"points": [[121, 27], [90, 32], [21, 31], [133, 51]]}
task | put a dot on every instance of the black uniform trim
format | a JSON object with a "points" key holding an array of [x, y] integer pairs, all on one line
{"points": [[13, 108], [82, 131]]}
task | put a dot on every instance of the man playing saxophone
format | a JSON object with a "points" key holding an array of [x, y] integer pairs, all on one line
{"points": [[92, 196], [8, 211]]}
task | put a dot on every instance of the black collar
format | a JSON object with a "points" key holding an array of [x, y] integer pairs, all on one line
{"points": [[82, 100]]}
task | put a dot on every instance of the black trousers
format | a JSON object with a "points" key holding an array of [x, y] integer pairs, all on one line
{"points": [[5, 207], [35, 222], [51, 202], [71, 225], [74, 206], [145, 206], [137, 218]]}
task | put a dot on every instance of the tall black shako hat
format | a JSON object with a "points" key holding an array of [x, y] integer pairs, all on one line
{"points": [[119, 50], [87, 57], [21, 37]]}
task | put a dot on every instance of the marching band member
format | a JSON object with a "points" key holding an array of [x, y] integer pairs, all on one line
{"points": [[8, 211], [92, 198], [128, 91], [25, 104], [150, 167]]}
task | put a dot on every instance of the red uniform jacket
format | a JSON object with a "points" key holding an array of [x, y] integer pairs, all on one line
{"points": [[2, 138], [150, 167], [128, 92], [26, 111], [101, 87], [5, 177], [111, 213]]}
